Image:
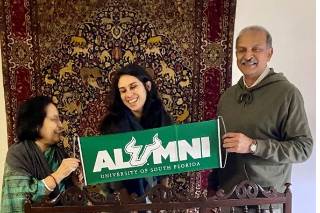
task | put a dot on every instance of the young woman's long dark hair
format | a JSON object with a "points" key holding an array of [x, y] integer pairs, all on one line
{"points": [[153, 114]]}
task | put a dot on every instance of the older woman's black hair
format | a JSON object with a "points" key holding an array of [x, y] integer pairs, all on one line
{"points": [[30, 117]]}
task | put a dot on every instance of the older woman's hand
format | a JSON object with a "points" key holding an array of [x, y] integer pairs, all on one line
{"points": [[66, 167]]}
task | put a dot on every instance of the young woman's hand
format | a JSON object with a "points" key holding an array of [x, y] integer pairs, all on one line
{"points": [[77, 178]]}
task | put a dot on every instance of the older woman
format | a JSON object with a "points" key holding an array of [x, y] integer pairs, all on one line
{"points": [[35, 164], [136, 106]]}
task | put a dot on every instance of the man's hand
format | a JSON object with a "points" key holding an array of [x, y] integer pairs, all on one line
{"points": [[237, 142]]}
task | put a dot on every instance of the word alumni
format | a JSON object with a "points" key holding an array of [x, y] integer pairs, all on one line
{"points": [[174, 151]]}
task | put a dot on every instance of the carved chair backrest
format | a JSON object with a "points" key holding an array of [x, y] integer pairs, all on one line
{"points": [[244, 195]]}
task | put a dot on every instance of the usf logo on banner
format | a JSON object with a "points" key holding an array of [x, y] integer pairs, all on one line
{"points": [[154, 152]]}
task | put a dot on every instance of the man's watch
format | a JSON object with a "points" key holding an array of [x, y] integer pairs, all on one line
{"points": [[253, 146]]}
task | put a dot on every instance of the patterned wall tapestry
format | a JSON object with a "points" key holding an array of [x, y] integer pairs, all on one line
{"points": [[71, 50]]}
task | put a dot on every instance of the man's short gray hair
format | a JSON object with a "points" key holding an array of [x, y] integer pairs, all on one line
{"points": [[257, 28]]}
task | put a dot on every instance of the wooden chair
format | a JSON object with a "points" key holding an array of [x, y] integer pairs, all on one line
{"points": [[245, 195]]}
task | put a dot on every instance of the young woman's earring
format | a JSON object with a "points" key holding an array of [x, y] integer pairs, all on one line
{"points": [[148, 86]]}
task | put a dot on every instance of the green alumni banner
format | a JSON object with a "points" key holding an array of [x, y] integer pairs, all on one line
{"points": [[153, 152]]}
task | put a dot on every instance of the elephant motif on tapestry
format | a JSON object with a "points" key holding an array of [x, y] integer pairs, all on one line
{"points": [[81, 73]]}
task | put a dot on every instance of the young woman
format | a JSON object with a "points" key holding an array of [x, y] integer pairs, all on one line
{"points": [[35, 164], [136, 106]]}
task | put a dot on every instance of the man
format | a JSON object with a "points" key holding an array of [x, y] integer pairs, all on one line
{"points": [[267, 127]]}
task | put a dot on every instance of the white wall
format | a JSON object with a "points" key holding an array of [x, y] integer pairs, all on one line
{"points": [[292, 26], [3, 128]]}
